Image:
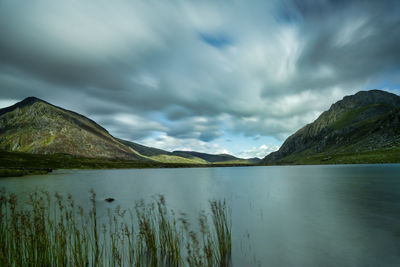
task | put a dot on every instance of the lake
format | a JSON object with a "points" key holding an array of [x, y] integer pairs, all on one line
{"points": [[342, 215]]}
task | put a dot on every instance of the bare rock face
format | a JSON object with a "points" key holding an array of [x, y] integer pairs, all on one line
{"points": [[366, 121], [35, 126]]}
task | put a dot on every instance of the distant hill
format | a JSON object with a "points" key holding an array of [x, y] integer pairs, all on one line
{"points": [[361, 128], [219, 158], [162, 155], [38, 127]]}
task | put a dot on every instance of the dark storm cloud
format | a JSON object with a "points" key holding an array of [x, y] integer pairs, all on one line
{"points": [[345, 42], [195, 70], [297, 10]]}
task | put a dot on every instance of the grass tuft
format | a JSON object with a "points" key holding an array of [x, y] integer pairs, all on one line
{"points": [[53, 231]]}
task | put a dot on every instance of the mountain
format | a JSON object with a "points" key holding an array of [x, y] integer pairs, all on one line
{"points": [[254, 160], [38, 127], [191, 157], [35, 126], [219, 158], [162, 155], [361, 128]]}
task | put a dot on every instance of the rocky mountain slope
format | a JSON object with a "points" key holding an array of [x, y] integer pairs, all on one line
{"points": [[361, 128], [35, 126]]}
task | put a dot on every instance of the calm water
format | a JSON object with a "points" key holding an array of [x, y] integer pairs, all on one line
{"points": [[281, 216]]}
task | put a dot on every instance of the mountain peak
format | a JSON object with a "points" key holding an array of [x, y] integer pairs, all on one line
{"points": [[26, 102], [374, 92], [370, 97], [31, 100]]}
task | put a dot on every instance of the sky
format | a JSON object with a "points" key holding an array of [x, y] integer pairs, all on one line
{"points": [[213, 76]]}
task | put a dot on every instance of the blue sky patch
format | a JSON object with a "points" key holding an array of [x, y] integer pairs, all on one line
{"points": [[219, 40]]}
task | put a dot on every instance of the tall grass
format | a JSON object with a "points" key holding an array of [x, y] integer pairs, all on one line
{"points": [[53, 231]]}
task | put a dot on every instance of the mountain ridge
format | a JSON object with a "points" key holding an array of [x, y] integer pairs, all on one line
{"points": [[215, 158], [358, 124]]}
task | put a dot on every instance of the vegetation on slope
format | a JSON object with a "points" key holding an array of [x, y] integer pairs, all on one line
{"points": [[35, 126], [162, 155], [216, 158], [18, 164], [367, 157], [64, 161], [17, 172]]}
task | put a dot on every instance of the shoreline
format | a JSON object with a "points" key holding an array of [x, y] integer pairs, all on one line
{"points": [[22, 171]]}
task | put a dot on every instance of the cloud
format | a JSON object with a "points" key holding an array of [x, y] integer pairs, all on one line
{"points": [[169, 143], [200, 127], [7, 102], [355, 41], [259, 152], [197, 70], [128, 126]]}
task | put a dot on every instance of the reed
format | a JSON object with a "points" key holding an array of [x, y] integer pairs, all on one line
{"points": [[53, 231]]}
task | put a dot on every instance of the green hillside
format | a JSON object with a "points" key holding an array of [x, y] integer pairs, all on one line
{"points": [[216, 158], [162, 155]]}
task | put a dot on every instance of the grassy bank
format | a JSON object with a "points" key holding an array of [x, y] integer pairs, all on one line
{"points": [[16, 160], [53, 231], [391, 155], [17, 172]]}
